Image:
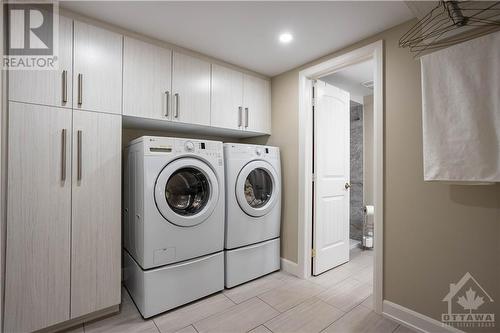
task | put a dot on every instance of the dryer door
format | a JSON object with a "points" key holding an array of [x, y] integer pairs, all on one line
{"points": [[257, 188], [186, 192]]}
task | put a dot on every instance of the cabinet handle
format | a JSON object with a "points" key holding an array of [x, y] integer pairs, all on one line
{"points": [[240, 115], [176, 115], [64, 86], [79, 155], [167, 103], [63, 155], [246, 117], [80, 89]]}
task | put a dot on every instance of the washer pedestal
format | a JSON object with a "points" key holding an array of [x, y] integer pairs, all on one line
{"points": [[160, 289], [250, 262]]}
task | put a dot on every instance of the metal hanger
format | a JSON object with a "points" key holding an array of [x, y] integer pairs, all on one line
{"points": [[452, 22]]}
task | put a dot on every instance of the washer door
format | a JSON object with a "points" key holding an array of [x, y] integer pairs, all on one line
{"points": [[186, 192], [257, 188]]}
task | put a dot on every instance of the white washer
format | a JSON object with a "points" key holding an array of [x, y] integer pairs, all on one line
{"points": [[173, 221], [253, 212]]}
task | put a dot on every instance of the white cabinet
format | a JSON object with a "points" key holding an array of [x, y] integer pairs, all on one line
{"points": [[147, 78], [97, 78], [37, 281], [226, 98], [96, 212], [257, 104], [64, 215], [240, 101], [47, 87], [191, 90]]}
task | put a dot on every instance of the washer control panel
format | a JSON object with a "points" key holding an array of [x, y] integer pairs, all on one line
{"points": [[164, 145], [189, 146]]}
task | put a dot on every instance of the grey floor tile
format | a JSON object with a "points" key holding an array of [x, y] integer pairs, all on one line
{"points": [[311, 316], [128, 320], [76, 329], [365, 275], [333, 276], [361, 320], [368, 302], [290, 294], [191, 313], [239, 318], [347, 294], [189, 329], [253, 288], [260, 329], [404, 329]]}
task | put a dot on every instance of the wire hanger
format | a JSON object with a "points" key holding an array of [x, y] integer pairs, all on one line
{"points": [[447, 24]]}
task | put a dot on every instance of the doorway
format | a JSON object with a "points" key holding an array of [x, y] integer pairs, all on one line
{"points": [[333, 162], [341, 209]]}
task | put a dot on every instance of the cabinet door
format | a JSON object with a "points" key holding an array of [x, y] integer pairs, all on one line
{"points": [[191, 87], [37, 281], [96, 212], [47, 87], [147, 77], [257, 103], [97, 75], [226, 98]]}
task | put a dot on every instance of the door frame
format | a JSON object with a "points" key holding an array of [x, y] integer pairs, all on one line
{"points": [[373, 51]]}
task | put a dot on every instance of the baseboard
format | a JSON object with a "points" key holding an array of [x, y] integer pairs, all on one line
{"points": [[290, 267], [415, 320]]}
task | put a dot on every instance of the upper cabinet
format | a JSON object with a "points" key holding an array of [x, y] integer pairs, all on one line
{"points": [[191, 90], [147, 79], [97, 78], [47, 87], [240, 101], [257, 104], [227, 98]]}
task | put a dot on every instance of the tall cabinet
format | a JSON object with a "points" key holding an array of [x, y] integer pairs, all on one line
{"points": [[38, 255], [96, 209], [63, 215]]}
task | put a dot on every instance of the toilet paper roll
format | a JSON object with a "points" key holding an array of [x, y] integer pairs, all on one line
{"points": [[369, 210]]}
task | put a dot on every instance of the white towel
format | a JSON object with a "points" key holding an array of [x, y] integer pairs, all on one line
{"points": [[461, 111]]}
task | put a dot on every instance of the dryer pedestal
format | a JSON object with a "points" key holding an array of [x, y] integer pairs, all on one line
{"points": [[160, 289], [250, 262]]}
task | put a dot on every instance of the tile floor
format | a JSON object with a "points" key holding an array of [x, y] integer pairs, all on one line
{"points": [[336, 301]]}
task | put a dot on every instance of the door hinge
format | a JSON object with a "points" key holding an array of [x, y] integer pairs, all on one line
{"points": [[313, 253], [313, 177]]}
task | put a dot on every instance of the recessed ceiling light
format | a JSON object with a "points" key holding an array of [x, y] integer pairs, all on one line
{"points": [[286, 38]]}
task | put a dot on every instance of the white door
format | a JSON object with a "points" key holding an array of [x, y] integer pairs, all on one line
{"points": [[147, 78], [191, 88], [37, 280], [97, 78], [227, 98], [257, 104], [48, 87], [331, 186], [96, 212]]}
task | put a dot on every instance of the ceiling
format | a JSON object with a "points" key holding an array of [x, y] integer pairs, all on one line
{"points": [[246, 33], [350, 79]]}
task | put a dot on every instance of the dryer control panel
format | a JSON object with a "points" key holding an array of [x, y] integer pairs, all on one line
{"points": [[251, 151]]}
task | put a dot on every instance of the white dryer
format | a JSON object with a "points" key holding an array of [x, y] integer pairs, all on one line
{"points": [[253, 212], [173, 221]]}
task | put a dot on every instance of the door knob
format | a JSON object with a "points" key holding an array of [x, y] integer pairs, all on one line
{"points": [[347, 186]]}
